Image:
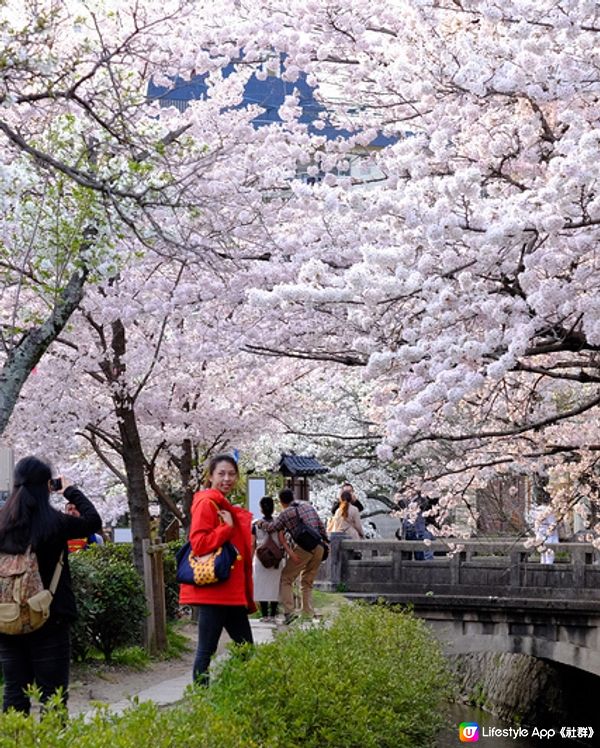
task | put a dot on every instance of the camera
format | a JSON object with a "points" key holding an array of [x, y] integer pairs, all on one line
{"points": [[56, 484]]}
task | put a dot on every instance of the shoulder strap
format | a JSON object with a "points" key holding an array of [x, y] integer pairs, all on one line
{"points": [[216, 506], [57, 573]]}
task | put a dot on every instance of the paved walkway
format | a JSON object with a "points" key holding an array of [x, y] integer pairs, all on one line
{"points": [[169, 691]]}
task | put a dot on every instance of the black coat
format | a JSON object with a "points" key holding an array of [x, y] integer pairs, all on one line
{"points": [[67, 527]]}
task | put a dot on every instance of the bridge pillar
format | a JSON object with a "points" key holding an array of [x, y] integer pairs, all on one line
{"points": [[516, 558], [333, 565], [455, 564], [578, 560]]}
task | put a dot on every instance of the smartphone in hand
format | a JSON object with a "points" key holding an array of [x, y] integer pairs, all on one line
{"points": [[56, 484]]}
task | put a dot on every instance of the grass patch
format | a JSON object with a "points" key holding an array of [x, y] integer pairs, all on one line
{"points": [[134, 658], [328, 604], [178, 644]]}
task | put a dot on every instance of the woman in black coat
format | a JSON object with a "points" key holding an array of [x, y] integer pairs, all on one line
{"points": [[42, 657]]}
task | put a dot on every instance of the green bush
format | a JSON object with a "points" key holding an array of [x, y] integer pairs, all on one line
{"points": [[85, 581], [110, 598], [374, 679], [84, 586], [124, 552]]}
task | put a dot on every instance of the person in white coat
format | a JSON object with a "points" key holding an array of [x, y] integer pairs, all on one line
{"points": [[266, 581]]}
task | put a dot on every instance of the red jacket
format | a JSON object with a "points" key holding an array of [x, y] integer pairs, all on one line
{"points": [[207, 533]]}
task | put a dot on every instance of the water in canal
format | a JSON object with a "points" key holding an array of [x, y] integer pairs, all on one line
{"points": [[449, 738]]}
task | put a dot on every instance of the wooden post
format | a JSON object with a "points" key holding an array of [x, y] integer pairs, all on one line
{"points": [[160, 606], [150, 628], [154, 585]]}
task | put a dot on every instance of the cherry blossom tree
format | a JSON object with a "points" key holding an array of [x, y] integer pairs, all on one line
{"points": [[150, 380], [91, 170], [458, 275], [106, 176], [466, 284]]}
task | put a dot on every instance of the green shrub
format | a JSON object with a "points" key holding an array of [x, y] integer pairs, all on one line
{"points": [[117, 551], [111, 601], [375, 679], [124, 552], [84, 586]]}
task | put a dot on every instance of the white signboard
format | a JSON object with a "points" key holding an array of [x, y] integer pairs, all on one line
{"points": [[123, 535], [257, 488]]}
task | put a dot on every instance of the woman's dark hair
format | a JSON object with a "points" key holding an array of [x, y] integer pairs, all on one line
{"points": [[267, 507], [27, 517]]}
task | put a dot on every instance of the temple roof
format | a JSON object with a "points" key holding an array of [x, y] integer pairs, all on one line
{"points": [[299, 465]]}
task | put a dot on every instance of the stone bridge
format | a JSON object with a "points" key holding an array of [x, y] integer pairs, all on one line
{"points": [[483, 595]]}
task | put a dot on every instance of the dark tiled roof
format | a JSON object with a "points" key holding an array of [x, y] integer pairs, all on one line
{"points": [[300, 465]]}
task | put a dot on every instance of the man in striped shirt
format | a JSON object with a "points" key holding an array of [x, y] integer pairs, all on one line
{"points": [[301, 521]]}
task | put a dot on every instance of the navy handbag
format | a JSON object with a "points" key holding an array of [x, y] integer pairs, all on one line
{"points": [[208, 569]]}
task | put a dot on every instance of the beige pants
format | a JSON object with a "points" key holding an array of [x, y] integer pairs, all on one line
{"points": [[307, 568]]}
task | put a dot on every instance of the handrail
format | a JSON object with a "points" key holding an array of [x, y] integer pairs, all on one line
{"points": [[471, 567]]}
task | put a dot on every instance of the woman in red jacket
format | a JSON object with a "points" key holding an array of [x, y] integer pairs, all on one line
{"points": [[224, 605]]}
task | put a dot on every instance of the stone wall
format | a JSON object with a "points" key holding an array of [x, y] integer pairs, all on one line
{"points": [[523, 689]]}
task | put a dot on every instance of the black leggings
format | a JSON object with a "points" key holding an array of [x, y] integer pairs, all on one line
{"points": [[212, 619], [268, 608], [41, 658]]}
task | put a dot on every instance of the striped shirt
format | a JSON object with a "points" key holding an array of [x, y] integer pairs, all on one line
{"points": [[289, 519]]}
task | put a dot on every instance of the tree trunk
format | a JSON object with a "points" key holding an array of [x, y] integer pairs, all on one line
{"points": [[131, 445], [137, 495], [185, 471], [24, 356]]}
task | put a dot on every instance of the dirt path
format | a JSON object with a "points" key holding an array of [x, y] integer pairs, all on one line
{"points": [[113, 683]]}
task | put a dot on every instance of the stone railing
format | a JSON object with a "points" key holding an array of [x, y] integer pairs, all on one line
{"points": [[480, 567]]}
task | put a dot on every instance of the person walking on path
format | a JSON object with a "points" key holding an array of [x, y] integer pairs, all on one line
{"points": [[224, 605], [346, 518], [301, 562], [42, 657], [266, 581]]}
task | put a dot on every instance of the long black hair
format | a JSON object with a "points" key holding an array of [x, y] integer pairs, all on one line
{"points": [[27, 517]]}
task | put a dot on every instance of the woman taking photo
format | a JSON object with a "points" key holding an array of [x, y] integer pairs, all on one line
{"points": [[224, 605], [42, 657]]}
